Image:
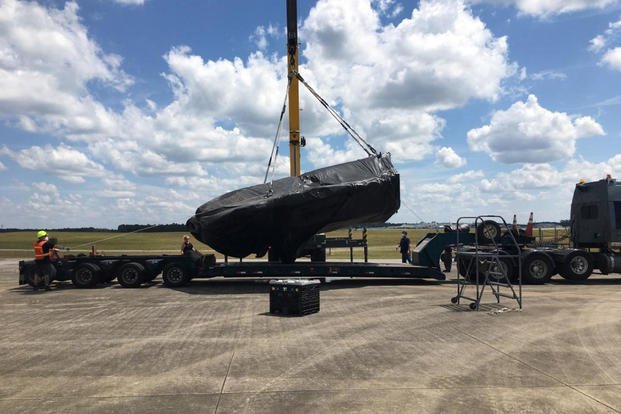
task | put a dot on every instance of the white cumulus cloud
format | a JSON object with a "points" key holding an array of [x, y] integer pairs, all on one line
{"points": [[63, 162], [612, 58], [529, 133], [548, 8], [449, 158], [603, 43], [390, 79], [471, 175], [46, 61], [130, 2]]}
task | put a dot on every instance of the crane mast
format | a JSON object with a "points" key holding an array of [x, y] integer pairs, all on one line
{"points": [[294, 98]]}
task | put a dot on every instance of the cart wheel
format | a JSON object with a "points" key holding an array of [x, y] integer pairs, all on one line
{"points": [[454, 300], [473, 305]]}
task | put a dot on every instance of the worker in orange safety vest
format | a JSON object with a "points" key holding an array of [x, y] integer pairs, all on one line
{"points": [[44, 254]]}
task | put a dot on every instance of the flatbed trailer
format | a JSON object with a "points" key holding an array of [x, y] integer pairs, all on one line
{"points": [[179, 270]]}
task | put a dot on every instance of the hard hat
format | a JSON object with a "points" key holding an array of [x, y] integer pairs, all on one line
{"points": [[41, 233]]}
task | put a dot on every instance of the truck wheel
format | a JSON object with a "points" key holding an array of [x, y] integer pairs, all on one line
{"points": [[86, 275], [577, 266], [537, 269], [501, 270], [131, 275], [174, 275], [488, 232]]}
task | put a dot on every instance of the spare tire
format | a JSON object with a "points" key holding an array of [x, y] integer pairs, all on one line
{"points": [[488, 232]]}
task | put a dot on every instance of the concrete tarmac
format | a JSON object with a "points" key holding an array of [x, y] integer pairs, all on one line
{"points": [[375, 346]]}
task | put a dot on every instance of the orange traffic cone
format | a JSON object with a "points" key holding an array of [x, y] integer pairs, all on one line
{"points": [[529, 226]]}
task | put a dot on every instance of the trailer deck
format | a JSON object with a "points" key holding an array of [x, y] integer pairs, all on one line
{"points": [[323, 269], [178, 270]]}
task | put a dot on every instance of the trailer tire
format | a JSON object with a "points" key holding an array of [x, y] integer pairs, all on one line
{"points": [[174, 275], [506, 267], [29, 275], [488, 232], [537, 269], [86, 275], [131, 275], [577, 266]]}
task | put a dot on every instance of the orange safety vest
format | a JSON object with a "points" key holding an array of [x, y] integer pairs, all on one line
{"points": [[38, 250]]}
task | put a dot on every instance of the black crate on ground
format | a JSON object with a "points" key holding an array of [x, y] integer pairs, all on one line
{"points": [[294, 297]]}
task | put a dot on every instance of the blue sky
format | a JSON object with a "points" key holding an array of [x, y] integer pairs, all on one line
{"points": [[135, 111]]}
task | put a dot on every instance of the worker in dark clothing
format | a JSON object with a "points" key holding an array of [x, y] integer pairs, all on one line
{"points": [[447, 258], [404, 248], [186, 246], [44, 253]]}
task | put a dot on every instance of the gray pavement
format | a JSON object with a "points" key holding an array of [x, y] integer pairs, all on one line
{"points": [[375, 346]]}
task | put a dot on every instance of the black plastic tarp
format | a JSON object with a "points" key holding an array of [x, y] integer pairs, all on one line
{"points": [[283, 214]]}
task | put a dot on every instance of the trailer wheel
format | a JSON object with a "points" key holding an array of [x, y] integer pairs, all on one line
{"points": [[29, 276], [488, 232], [577, 266], [501, 270], [131, 275], [174, 275], [537, 269], [86, 275]]}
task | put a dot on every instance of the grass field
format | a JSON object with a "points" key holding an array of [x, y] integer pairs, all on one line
{"points": [[381, 242]]}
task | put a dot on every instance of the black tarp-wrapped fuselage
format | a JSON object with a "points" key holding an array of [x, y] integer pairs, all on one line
{"points": [[284, 214]]}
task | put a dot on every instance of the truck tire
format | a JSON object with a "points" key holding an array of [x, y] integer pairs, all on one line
{"points": [[537, 269], [577, 266], [86, 275], [467, 268], [175, 275], [131, 275], [488, 232], [504, 265]]}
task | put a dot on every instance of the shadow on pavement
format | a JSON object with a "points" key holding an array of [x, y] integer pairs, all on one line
{"points": [[237, 286]]}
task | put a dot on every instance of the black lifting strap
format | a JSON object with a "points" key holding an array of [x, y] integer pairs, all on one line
{"points": [[274, 153], [351, 131]]}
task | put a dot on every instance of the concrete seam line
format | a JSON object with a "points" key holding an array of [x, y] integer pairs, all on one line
{"points": [[228, 370], [540, 371]]}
